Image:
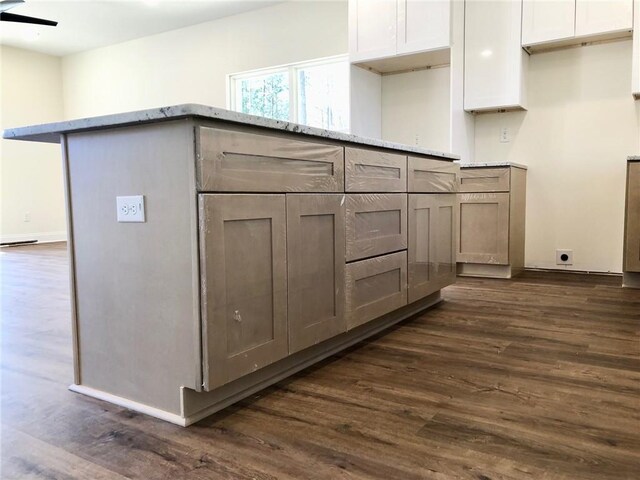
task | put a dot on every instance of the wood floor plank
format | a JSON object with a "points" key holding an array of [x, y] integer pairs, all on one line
{"points": [[537, 377]]}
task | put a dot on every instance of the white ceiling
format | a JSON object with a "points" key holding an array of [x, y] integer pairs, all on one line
{"points": [[87, 24]]}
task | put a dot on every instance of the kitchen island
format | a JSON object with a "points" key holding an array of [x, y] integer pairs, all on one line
{"points": [[215, 253]]}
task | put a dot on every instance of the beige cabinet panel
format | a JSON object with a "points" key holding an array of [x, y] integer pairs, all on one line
{"points": [[484, 228], [632, 243], [432, 223], [232, 161], [315, 264], [485, 179], [376, 224], [375, 286], [243, 261], [427, 175], [371, 171]]}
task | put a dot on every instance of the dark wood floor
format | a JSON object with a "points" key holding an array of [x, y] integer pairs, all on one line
{"points": [[535, 378]]}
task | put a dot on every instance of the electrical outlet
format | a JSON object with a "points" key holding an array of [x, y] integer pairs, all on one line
{"points": [[505, 136], [564, 257], [27, 217], [131, 208]]}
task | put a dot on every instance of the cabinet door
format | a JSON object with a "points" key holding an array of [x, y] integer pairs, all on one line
{"points": [[244, 289], [375, 287], [495, 64], [484, 228], [632, 243], [315, 262], [432, 243], [547, 21], [372, 29], [376, 224], [423, 26], [604, 16]]}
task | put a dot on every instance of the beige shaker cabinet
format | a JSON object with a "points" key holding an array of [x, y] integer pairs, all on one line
{"points": [[316, 268], [631, 263], [243, 258], [431, 245], [266, 247], [491, 216]]}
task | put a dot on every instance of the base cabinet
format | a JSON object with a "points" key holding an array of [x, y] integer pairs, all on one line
{"points": [[243, 258], [431, 246], [491, 216], [632, 227]]}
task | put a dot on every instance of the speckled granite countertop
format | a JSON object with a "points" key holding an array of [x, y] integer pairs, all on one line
{"points": [[633, 158], [50, 132], [492, 164]]}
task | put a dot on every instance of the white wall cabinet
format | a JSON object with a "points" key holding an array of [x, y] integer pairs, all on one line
{"points": [[599, 17], [423, 25], [545, 21], [495, 64], [381, 30]]}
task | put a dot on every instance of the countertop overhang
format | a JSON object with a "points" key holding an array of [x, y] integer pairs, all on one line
{"points": [[51, 132]]}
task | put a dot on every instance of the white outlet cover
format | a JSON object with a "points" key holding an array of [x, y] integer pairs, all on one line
{"points": [[130, 208], [568, 253]]}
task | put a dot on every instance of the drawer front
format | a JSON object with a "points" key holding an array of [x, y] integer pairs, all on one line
{"points": [[231, 161], [376, 224], [432, 176], [375, 287], [369, 171], [484, 228], [485, 179]]}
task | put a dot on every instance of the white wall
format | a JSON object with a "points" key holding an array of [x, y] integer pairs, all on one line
{"points": [[190, 65], [581, 124], [31, 173], [416, 108]]}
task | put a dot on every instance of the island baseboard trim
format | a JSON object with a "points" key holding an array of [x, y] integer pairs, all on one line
{"points": [[305, 360], [130, 404]]}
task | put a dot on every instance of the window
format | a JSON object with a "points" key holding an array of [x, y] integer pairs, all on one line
{"points": [[311, 93]]}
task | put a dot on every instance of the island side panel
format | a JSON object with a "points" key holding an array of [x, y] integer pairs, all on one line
{"points": [[136, 283]]}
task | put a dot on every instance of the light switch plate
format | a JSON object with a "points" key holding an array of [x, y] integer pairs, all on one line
{"points": [[130, 208]]}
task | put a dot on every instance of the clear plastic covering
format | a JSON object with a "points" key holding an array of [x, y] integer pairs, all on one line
{"points": [[371, 171], [427, 175], [485, 179], [233, 161], [376, 224]]}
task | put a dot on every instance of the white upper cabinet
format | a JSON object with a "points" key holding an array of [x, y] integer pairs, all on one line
{"points": [[594, 17], [423, 25], [495, 63], [372, 29], [383, 34], [547, 21]]}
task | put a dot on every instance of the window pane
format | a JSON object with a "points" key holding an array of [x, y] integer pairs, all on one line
{"points": [[323, 96], [264, 95]]}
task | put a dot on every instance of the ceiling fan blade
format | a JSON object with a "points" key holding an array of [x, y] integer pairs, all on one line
{"points": [[7, 4], [12, 17]]}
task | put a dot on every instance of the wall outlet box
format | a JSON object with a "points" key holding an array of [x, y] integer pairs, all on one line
{"points": [[505, 136], [130, 208], [564, 257]]}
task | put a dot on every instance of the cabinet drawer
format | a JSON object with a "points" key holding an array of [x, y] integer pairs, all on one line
{"points": [[231, 161], [485, 179], [370, 171], [484, 228], [376, 224], [432, 176], [375, 286]]}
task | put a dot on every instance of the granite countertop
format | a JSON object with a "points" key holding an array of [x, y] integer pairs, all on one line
{"points": [[50, 132], [633, 158], [492, 164]]}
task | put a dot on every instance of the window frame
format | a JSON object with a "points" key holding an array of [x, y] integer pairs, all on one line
{"points": [[292, 69]]}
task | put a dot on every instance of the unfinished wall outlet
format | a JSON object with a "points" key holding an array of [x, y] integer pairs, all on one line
{"points": [[564, 257]]}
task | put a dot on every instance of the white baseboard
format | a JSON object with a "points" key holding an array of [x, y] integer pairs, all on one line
{"points": [[45, 237]]}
